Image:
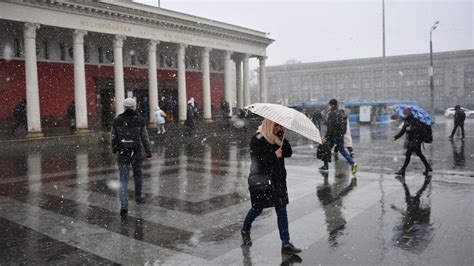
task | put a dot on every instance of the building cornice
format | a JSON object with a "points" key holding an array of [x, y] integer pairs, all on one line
{"points": [[162, 19]]}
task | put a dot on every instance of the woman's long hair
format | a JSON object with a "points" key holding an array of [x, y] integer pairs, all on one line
{"points": [[266, 129]]}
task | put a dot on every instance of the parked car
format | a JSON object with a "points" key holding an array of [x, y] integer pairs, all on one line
{"points": [[449, 113]]}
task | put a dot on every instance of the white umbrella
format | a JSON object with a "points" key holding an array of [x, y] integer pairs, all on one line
{"points": [[288, 118]]}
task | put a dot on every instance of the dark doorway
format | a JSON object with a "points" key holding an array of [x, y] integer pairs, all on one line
{"points": [[105, 90]]}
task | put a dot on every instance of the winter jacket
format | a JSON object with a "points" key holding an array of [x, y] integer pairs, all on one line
{"points": [[414, 130], [159, 116], [336, 123], [459, 117], [189, 117], [130, 121], [264, 161]]}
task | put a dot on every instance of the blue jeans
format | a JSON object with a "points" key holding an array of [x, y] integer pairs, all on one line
{"points": [[124, 171], [282, 222], [339, 142]]}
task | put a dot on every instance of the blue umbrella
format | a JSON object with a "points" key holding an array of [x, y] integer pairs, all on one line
{"points": [[418, 112]]}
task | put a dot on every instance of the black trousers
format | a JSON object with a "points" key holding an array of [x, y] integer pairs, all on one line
{"points": [[417, 150], [456, 125]]}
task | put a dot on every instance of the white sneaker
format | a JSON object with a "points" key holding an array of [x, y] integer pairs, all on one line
{"points": [[163, 131], [159, 132]]}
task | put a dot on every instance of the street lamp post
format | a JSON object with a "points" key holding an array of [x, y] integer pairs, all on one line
{"points": [[431, 66]]}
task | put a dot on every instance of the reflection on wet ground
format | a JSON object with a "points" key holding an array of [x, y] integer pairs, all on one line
{"points": [[61, 205]]}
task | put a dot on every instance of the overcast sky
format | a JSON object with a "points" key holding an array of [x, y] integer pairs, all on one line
{"points": [[316, 30]]}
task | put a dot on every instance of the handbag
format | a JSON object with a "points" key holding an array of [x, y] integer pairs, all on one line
{"points": [[260, 183], [324, 152]]}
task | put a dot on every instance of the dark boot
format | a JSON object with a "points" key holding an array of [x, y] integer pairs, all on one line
{"points": [[246, 240], [290, 249]]}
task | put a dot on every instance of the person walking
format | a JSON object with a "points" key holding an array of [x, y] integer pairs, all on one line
{"points": [[459, 117], [336, 128], [160, 120], [347, 142], [225, 111], [130, 141], [71, 117], [189, 123], [414, 129], [267, 152], [19, 113]]}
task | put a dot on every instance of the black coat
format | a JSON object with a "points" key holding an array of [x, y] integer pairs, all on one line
{"points": [[413, 128], [264, 161], [130, 118], [459, 117], [337, 124]]}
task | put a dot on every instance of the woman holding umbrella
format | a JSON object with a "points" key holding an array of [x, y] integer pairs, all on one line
{"points": [[268, 149], [414, 129]]}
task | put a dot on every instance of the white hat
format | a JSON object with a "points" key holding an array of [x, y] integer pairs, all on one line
{"points": [[129, 103]]}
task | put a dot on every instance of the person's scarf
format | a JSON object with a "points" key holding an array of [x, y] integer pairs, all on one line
{"points": [[266, 129]]}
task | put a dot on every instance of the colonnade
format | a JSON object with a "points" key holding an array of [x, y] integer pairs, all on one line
{"points": [[240, 89]]}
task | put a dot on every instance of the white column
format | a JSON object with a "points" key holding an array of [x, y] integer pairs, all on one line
{"points": [[263, 80], [238, 80], [206, 84], [118, 74], [246, 77], [228, 79], [152, 80], [32, 90], [182, 82], [80, 93]]}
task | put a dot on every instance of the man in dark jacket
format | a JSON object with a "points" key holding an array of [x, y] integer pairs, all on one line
{"points": [[268, 151], [130, 140], [414, 130], [459, 117], [337, 126]]}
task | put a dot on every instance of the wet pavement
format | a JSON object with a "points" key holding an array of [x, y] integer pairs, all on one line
{"points": [[60, 205]]}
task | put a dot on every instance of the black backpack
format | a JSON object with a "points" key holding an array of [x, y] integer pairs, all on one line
{"points": [[128, 140], [340, 123], [427, 133]]}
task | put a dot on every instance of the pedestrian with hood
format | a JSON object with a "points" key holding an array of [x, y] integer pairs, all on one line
{"points": [[267, 152], [160, 120], [19, 113], [459, 117], [131, 144], [336, 129], [194, 105], [415, 132]]}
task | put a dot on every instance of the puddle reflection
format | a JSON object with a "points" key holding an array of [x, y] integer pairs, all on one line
{"points": [[330, 197], [414, 230]]}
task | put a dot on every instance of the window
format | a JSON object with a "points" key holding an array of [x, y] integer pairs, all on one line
{"points": [[17, 47], [45, 49], [86, 53], [101, 55], [62, 51]]}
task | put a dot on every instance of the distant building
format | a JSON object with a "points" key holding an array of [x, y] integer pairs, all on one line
{"points": [[406, 78], [99, 52]]}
